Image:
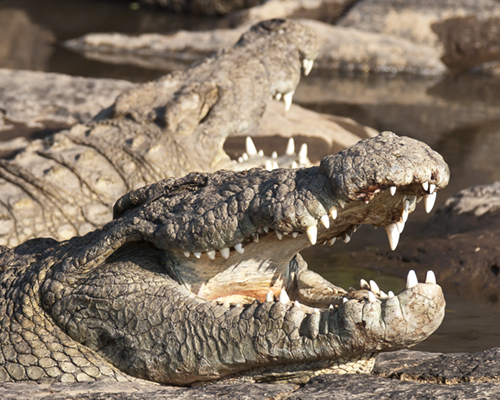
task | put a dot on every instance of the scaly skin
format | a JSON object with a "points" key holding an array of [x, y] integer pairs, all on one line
{"points": [[67, 184], [142, 297]]}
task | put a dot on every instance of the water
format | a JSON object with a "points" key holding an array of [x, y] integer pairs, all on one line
{"points": [[459, 116]]}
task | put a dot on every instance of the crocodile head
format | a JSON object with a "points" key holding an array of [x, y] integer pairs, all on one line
{"points": [[199, 278]]}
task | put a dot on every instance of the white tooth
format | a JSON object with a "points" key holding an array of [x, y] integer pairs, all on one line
{"points": [[344, 300], [332, 241], [275, 165], [371, 297], [346, 238], [186, 254], [315, 311], [255, 238], [197, 254], [250, 147], [279, 234], [390, 294], [333, 212], [429, 201], [290, 147], [284, 299], [287, 98], [419, 199], [393, 235], [211, 254], [297, 304], [295, 234], [400, 225], [312, 234], [430, 277], [325, 221], [244, 156], [294, 165], [425, 185], [363, 284], [274, 155], [383, 295], [240, 159], [411, 279], [324, 243], [330, 307], [432, 187], [405, 211], [266, 229], [303, 153], [341, 203], [225, 252], [261, 153], [374, 287], [269, 165], [269, 297], [392, 190], [307, 65], [278, 96], [239, 248]]}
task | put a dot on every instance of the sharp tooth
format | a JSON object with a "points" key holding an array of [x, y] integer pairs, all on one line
{"points": [[392, 190], [400, 225], [374, 287], [325, 221], [278, 96], [287, 98], [371, 297], [330, 307], [393, 235], [346, 237], [390, 294], [266, 229], [255, 237], [290, 147], [430, 277], [211, 254], [250, 147], [432, 187], [297, 304], [364, 284], [284, 299], [240, 159], [405, 211], [429, 201], [425, 185], [239, 248], [419, 199], [383, 295], [344, 300], [274, 155], [303, 153], [411, 279], [294, 164], [316, 311], [279, 234], [225, 252], [332, 241], [275, 165], [186, 254], [269, 297], [197, 254], [341, 203], [261, 153], [307, 65], [295, 234], [269, 165], [312, 234], [324, 243], [244, 156], [333, 212]]}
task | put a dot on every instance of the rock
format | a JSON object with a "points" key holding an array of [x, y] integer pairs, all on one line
{"points": [[39, 99]]}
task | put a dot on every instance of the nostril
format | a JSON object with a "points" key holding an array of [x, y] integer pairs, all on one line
{"points": [[495, 269]]}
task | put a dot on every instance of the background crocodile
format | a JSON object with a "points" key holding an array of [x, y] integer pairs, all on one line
{"points": [[199, 278], [67, 184]]}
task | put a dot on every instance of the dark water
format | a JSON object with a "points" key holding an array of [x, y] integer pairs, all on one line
{"points": [[459, 116]]}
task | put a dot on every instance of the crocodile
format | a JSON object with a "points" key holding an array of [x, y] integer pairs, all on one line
{"points": [[66, 184], [199, 278]]}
